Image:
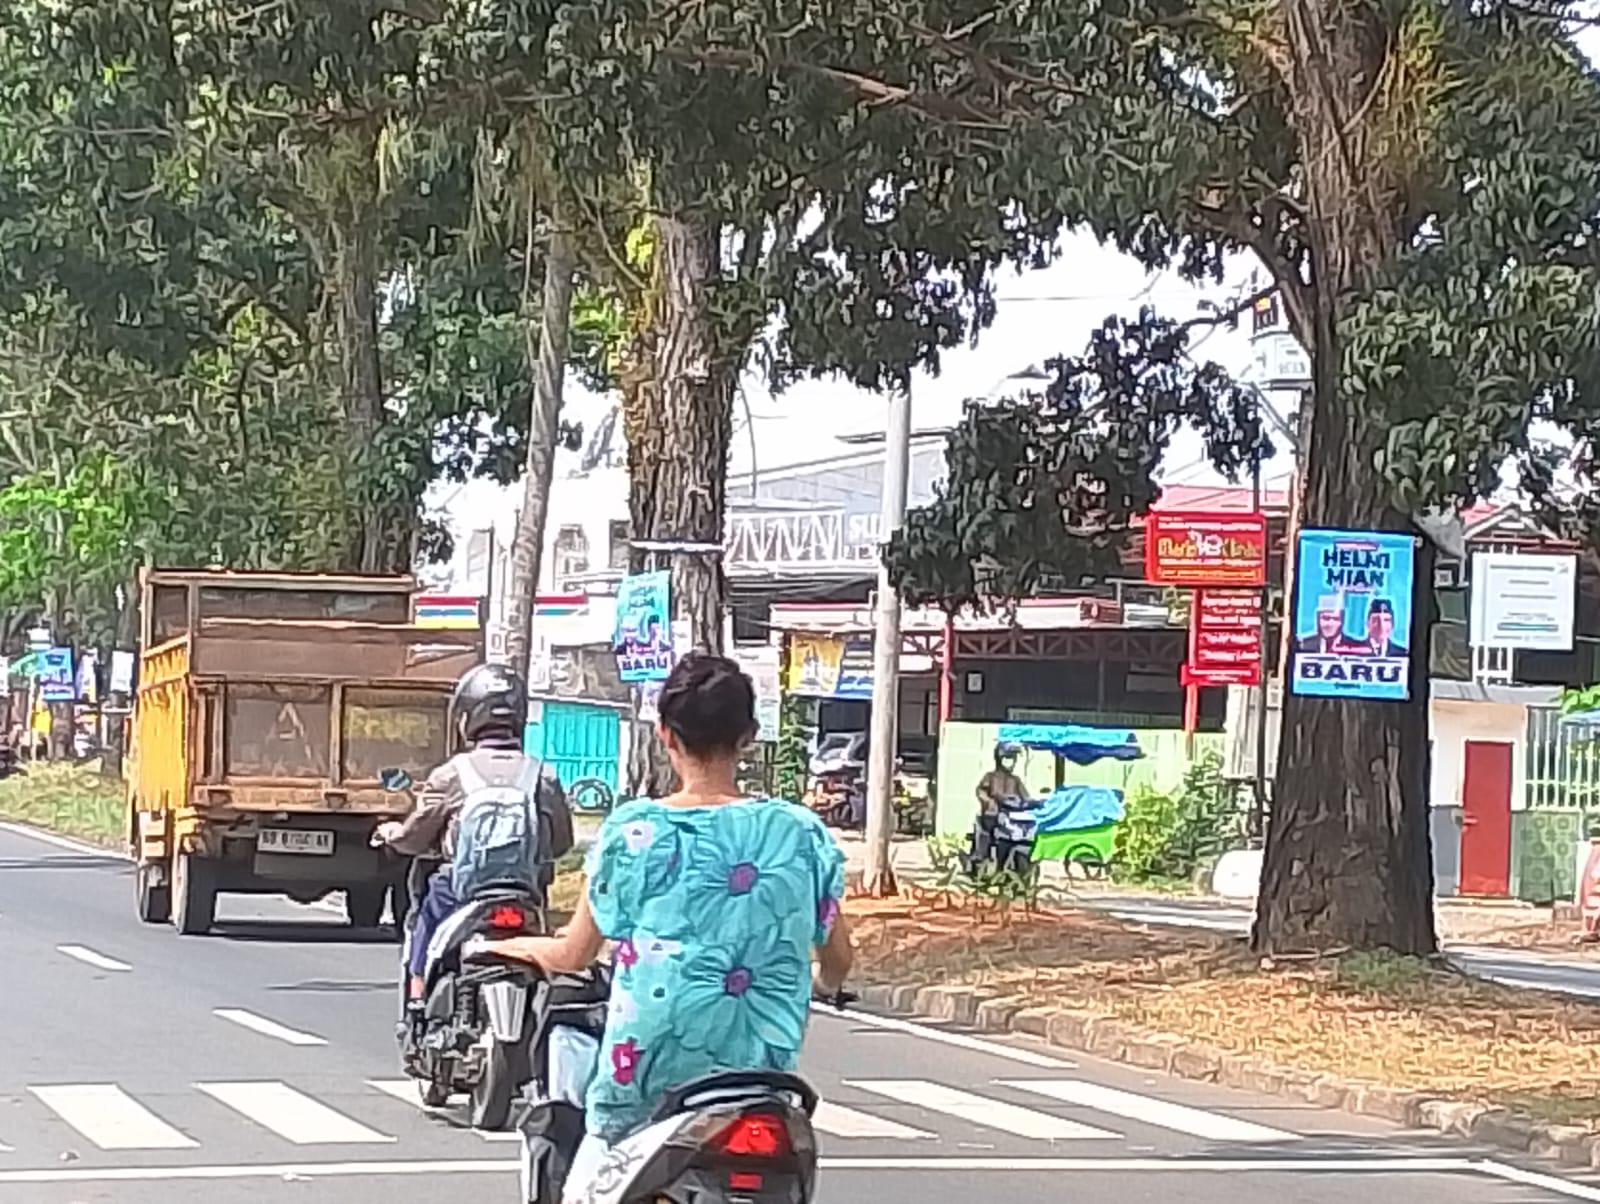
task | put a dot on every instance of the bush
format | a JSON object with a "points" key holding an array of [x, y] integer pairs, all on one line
{"points": [[1165, 836]]}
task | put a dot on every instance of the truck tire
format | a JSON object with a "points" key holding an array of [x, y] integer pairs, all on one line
{"points": [[194, 895], [153, 897], [363, 904]]}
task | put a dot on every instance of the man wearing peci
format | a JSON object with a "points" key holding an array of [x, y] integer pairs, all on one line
{"points": [[1380, 630], [1329, 638]]}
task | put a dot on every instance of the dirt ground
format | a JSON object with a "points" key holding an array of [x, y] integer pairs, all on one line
{"points": [[1404, 1023]]}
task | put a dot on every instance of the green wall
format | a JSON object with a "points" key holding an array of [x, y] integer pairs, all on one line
{"points": [[966, 753]]}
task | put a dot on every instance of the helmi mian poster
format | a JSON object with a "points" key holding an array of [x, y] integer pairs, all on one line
{"points": [[1352, 615]]}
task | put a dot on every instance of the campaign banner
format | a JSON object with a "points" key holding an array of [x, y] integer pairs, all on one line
{"points": [[643, 639], [1224, 638], [1523, 601], [760, 664], [57, 682], [829, 666], [1192, 548], [1352, 615]]}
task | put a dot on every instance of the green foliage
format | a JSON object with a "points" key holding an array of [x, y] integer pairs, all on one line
{"points": [[1041, 491], [790, 762], [1382, 972], [1170, 836]]}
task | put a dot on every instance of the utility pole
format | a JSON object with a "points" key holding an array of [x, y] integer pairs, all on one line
{"points": [[1258, 807], [883, 748]]}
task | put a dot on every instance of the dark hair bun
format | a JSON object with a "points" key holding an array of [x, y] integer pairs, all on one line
{"points": [[708, 704]]}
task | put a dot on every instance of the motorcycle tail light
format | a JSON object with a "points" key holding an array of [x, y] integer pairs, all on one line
{"points": [[758, 1135], [744, 1181], [507, 917]]}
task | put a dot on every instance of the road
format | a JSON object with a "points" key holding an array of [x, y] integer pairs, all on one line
{"points": [[257, 1065]]}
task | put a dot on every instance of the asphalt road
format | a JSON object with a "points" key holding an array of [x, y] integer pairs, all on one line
{"points": [[257, 1065]]}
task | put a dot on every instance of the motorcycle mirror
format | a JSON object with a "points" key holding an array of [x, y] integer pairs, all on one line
{"points": [[394, 780]]}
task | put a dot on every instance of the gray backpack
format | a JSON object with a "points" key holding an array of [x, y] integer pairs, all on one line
{"points": [[497, 834]]}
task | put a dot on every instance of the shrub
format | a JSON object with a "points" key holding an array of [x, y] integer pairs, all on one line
{"points": [[1170, 836]]}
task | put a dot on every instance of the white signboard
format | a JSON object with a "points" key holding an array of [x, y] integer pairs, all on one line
{"points": [[760, 664], [1523, 601], [121, 671]]}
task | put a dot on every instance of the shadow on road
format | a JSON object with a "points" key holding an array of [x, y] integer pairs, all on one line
{"points": [[300, 932], [84, 861], [328, 986]]}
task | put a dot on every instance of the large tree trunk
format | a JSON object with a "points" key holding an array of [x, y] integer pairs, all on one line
{"points": [[355, 300], [1347, 860], [678, 416], [527, 545]]}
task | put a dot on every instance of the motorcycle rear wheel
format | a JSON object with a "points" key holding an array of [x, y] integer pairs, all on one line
{"points": [[492, 1094]]}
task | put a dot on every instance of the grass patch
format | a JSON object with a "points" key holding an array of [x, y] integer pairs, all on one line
{"points": [[1402, 1022], [75, 800]]}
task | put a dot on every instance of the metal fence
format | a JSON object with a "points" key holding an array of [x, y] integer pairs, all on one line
{"points": [[1563, 764]]}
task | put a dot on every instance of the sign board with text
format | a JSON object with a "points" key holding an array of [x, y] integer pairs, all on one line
{"points": [[1224, 638], [1203, 549], [1352, 615], [1523, 601]]}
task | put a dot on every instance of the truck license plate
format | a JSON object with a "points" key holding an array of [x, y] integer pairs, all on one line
{"points": [[294, 840]]}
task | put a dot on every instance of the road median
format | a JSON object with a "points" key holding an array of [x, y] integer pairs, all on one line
{"points": [[1404, 1040], [73, 800]]}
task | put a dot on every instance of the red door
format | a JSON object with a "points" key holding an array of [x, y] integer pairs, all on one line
{"points": [[1486, 818]]}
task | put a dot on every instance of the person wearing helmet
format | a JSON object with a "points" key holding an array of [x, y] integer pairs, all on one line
{"points": [[488, 712], [996, 789]]}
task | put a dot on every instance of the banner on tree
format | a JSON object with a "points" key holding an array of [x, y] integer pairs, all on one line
{"points": [[643, 639], [1352, 615]]}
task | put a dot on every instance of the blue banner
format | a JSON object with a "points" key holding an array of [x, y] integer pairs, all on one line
{"points": [[1352, 615], [643, 638], [56, 680]]}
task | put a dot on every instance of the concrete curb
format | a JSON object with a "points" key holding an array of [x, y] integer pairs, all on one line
{"points": [[1118, 1041]]}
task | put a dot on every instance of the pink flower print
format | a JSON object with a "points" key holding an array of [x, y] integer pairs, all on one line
{"points": [[737, 981], [827, 913], [742, 878], [624, 1061], [627, 954]]}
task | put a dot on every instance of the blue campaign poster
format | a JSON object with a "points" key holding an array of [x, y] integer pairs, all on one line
{"points": [[1352, 615], [643, 639], [56, 680]]}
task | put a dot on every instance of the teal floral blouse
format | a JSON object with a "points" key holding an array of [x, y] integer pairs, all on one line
{"points": [[714, 912]]}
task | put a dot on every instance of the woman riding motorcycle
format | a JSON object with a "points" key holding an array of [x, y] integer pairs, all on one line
{"points": [[714, 903]]}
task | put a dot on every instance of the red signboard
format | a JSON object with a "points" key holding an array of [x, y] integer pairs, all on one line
{"points": [[1184, 547], [1224, 638]]}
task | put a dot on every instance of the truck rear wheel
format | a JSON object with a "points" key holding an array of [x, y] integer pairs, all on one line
{"points": [[154, 897], [363, 904], [194, 895]]}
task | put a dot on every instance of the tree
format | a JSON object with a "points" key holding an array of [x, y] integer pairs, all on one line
{"points": [[1419, 180]]}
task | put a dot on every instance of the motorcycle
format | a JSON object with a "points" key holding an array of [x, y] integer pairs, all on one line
{"points": [[737, 1137], [478, 1020]]}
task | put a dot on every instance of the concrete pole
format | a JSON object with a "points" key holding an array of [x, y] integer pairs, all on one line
{"points": [[879, 876]]}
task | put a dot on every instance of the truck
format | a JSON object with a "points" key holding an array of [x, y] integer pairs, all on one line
{"points": [[270, 715]]}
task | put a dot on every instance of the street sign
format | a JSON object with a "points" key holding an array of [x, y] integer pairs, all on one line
{"points": [[1224, 638], [1194, 548], [55, 677]]}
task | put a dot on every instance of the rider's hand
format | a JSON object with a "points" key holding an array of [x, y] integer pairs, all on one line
{"points": [[385, 832]]}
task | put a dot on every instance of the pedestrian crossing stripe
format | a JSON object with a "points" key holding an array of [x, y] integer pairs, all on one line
{"points": [[111, 1119]]}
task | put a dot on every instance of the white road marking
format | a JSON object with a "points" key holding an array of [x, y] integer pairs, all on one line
{"points": [[110, 1118], [291, 1115], [840, 1121], [62, 842], [267, 1028], [90, 958], [405, 1090], [1182, 1165], [975, 1109], [1553, 1183], [1145, 1109], [1010, 1053]]}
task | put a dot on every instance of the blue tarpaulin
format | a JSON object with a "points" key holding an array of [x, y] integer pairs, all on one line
{"points": [[1073, 808], [1078, 743]]}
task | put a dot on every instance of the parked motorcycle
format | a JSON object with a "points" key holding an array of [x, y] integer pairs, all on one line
{"points": [[739, 1137]]}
